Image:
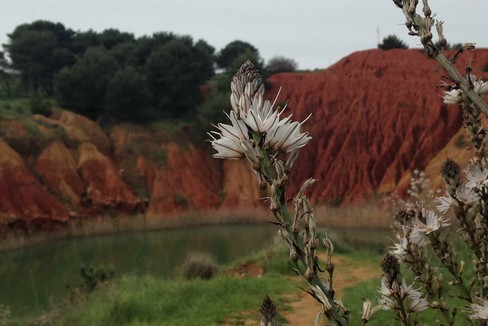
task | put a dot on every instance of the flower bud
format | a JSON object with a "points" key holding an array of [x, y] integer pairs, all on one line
{"points": [[294, 255], [451, 173]]}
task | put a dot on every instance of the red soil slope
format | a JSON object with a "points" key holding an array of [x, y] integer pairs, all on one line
{"points": [[376, 115]]}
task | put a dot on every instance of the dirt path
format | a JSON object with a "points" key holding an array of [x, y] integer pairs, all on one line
{"points": [[347, 273], [302, 307]]}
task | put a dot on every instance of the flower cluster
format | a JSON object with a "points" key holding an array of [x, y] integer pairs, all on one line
{"points": [[425, 243], [466, 193], [255, 123], [413, 226], [463, 193], [395, 294]]}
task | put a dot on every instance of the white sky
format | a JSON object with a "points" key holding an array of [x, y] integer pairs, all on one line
{"points": [[315, 33]]}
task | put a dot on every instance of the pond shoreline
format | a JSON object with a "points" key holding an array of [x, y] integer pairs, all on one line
{"points": [[356, 217], [101, 226]]}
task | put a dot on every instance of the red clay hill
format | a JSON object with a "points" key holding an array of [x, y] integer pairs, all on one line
{"points": [[376, 115]]}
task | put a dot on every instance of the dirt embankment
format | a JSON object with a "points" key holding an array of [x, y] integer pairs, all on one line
{"points": [[376, 115]]}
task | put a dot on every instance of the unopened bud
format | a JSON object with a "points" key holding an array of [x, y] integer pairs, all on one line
{"points": [[468, 46], [390, 266], [404, 216], [294, 255], [426, 9], [308, 274], [451, 173], [268, 312]]}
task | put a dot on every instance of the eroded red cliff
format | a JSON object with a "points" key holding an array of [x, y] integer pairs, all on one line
{"points": [[376, 115]]}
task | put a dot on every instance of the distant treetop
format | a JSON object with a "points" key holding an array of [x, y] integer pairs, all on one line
{"points": [[392, 42]]}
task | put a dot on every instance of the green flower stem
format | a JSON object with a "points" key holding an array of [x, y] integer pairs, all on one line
{"points": [[402, 314], [448, 66], [334, 314], [444, 251]]}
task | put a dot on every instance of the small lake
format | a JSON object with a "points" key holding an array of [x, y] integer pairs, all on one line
{"points": [[32, 276]]}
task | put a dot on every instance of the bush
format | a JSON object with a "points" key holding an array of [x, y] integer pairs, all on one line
{"points": [[199, 265], [92, 277], [40, 106], [392, 42], [280, 64]]}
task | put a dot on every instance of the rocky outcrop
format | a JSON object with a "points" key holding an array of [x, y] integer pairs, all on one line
{"points": [[21, 193], [189, 180], [105, 188], [57, 167]]}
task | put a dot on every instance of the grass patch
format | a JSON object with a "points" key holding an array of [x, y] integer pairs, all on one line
{"points": [[150, 300]]}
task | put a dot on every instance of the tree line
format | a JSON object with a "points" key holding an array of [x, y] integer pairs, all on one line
{"points": [[115, 75]]}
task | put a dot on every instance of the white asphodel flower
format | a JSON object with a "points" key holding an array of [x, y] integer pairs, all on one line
{"points": [[417, 303], [480, 311], [479, 86], [287, 137], [454, 96], [432, 222], [444, 203], [227, 148], [227, 142], [369, 310], [476, 177], [400, 249], [261, 117], [466, 195], [238, 130]]}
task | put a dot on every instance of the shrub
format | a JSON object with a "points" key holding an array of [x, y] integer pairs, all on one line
{"points": [[92, 277], [280, 64], [392, 42], [40, 106], [199, 265]]}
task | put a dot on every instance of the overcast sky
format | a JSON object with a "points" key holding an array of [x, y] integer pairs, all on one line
{"points": [[315, 33]]}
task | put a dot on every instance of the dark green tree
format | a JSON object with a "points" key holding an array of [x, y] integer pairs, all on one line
{"points": [[82, 87], [124, 53], [174, 73], [38, 50], [392, 42], [145, 45], [112, 37], [83, 40], [234, 51], [126, 98], [280, 64], [5, 74]]}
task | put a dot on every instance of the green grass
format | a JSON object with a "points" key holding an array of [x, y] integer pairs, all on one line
{"points": [[149, 300], [14, 108]]}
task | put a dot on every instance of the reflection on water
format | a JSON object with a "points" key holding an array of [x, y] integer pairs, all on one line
{"points": [[31, 277], [364, 240]]}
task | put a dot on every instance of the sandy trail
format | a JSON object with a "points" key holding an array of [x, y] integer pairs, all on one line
{"points": [[348, 273], [302, 307]]}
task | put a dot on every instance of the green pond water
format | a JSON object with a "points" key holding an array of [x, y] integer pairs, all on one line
{"points": [[32, 277]]}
